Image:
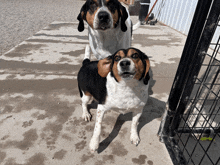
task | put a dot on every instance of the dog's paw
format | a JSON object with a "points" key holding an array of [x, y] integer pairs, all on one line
{"points": [[134, 139], [94, 145], [86, 116]]}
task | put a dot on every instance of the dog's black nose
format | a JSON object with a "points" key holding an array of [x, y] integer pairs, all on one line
{"points": [[125, 64], [103, 16]]}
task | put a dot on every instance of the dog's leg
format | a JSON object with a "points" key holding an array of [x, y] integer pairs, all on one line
{"points": [[85, 100], [134, 134], [87, 52], [94, 143]]}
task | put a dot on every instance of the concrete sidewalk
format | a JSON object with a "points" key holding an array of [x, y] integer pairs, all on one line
{"points": [[40, 110]]}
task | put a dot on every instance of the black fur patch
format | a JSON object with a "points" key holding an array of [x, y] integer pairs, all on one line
{"points": [[90, 81]]}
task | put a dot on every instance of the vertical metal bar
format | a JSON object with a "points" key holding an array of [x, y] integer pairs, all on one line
{"points": [[199, 38], [197, 25], [196, 29], [195, 63]]}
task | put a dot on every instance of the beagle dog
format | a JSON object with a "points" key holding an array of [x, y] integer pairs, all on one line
{"points": [[118, 82], [109, 26]]}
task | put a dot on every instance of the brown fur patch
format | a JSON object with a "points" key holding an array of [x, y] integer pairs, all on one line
{"points": [[147, 66], [139, 69], [104, 67], [90, 17], [119, 54], [130, 52], [87, 93], [139, 64], [115, 17]]}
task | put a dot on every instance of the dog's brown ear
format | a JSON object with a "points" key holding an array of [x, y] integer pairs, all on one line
{"points": [[104, 66], [80, 18], [145, 60], [124, 16]]}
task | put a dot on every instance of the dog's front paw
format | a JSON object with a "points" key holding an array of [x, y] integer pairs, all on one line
{"points": [[94, 144], [86, 116], [134, 139]]}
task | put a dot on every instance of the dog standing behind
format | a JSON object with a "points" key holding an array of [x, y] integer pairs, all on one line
{"points": [[109, 26], [118, 82]]}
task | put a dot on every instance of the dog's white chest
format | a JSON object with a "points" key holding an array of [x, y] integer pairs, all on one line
{"points": [[131, 94]]}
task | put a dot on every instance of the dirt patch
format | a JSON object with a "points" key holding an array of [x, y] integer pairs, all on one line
{"points": [[105, 160], [150, 162], [29, 138], [118, 149], [85, 158], [37, 159], [80, 146], [24, 50], [27, 123], [65, 136], [2, 156], [59, 155], [140, 160], [75, 53], [8, 109]]}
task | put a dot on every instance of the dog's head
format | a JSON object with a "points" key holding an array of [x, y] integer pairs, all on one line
{"points": [[102, 15], [126, 64]]}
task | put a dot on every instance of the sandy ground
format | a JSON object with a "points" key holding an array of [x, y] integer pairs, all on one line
{"points": [[20, 19]]}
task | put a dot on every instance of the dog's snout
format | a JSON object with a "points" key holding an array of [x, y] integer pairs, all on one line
{"points": [[103, 16], [125, 63]]}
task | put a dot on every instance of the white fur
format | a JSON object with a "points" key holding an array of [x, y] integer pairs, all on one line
{"points": [[87, 52], [85, 100], [107, 42], [96, 20], [125, 94]]}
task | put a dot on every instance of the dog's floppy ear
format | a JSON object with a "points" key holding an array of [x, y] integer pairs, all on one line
{"points": [[80, 18], [146, 74], [146, 62], [104, 66], [124, 16]]}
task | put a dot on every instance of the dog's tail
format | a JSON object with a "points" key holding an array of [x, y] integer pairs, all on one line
{"points": [[136, 26], [87, 55]]}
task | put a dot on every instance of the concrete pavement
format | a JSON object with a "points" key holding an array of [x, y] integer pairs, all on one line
{"points": [[40, 110]]}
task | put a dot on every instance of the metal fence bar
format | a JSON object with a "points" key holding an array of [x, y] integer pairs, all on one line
{"points": [[202, 30], [197, 25], [188, 80]]}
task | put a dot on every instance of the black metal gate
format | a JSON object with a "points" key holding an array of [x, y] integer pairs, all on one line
{"points": [[190, 127]]}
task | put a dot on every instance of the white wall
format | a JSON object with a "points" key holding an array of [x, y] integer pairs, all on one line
{"points": [[178, 14]]}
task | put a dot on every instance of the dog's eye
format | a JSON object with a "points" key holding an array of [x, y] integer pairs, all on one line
{"points": [[117, 58], [135, 55], [111, 6], [93, 6]]}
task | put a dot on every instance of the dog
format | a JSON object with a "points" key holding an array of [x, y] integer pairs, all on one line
{"points": [[109, 26], [118, 82]]}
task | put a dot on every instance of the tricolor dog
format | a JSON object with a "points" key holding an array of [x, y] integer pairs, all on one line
{"points": [[118, 82], [109, 26]]}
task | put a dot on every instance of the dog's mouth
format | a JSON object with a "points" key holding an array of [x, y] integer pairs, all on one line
{"points": [[127, 75], [104, 26]]}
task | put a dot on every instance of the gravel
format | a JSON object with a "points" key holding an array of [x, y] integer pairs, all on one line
{"points": [[20, 19]]}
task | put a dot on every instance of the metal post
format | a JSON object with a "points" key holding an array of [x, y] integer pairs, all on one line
{"points": [[196, 62]]}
